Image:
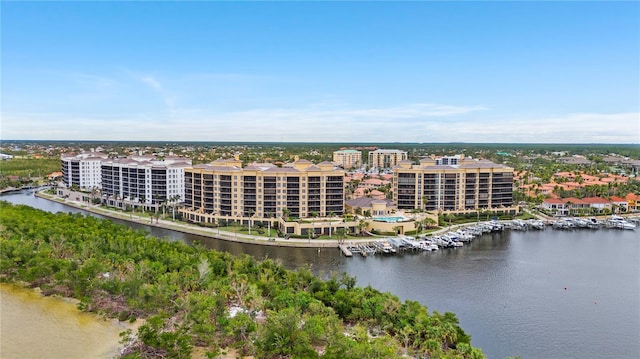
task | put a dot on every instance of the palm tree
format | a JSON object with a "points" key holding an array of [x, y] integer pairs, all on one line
{"points": [[614, 208], [174, 200], [331, 214], [143, 200], [569, 205], [361, 225], [251, 212], [429, 222], [449, 217], [95, 193], [269, 215], [163, 204], [286, 212]]}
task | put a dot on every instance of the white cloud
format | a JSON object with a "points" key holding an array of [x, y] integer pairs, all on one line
{"points": [[152, 82], [408, 123], [156, 86], [569, 128]]}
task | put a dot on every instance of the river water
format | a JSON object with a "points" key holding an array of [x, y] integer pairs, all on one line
{"points": [[33, 326], [544, 294]]}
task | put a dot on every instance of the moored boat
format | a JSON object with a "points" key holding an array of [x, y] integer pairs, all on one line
{"points": [[619, 222]]}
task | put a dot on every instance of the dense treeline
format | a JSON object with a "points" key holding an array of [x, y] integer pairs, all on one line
{"points": [[29, 167], [192, 297]]}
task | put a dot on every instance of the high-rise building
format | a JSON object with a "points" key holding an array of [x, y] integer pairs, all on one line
{"points": [[144, 179], [348, 158], [82, 170], [453, 183], [386, 158], [223, 188]]}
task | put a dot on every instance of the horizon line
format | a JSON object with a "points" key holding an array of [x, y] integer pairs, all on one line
{"points": [[323, 142]]}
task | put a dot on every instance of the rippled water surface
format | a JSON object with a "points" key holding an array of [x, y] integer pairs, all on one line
{"points": [[545, 294]]}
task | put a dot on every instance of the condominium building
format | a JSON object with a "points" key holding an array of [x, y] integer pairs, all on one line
{"points": [[144, 179], [348, 158], [453, 183], [223, 189], [386, 158], [82, 170]]}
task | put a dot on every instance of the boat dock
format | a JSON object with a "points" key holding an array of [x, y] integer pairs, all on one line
{"points": [[345, 251]]}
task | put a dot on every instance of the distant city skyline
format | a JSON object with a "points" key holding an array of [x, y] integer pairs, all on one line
{"points": [[353, 72]]}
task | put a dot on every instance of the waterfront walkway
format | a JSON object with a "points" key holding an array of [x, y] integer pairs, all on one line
{"points": [[234, 236], [204, 231]]}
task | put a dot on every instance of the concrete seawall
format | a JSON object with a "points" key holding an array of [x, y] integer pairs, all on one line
{"points": [[197, 230]]}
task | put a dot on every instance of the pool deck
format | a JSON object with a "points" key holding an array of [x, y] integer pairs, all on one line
{"points": [[397, 219]]}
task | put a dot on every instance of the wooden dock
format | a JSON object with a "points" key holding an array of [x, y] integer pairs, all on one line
{"points": [[345, 250]]}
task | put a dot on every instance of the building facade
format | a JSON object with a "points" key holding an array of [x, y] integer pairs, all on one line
{"points": [[348, 158], [453, 183], [386, 158], [144, 180], [83, 170], [223, 189]]}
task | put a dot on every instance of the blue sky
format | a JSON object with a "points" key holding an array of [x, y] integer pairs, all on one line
{"points": [[535, 72]]}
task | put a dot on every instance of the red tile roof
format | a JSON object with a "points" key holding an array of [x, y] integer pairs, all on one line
{"points": [[594, 200]]}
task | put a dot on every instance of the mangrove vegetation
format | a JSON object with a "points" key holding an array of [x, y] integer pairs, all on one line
{"points": [[195, 300]]}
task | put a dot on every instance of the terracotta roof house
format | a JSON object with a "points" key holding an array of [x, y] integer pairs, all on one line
{"points": [[564, 206], [377, 207], [619, 204], [54, 175], [632, 201], [598, 202]]}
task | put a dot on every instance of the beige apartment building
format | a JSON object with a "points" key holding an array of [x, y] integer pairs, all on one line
{"points": [[386, 158], [223, 189], [348, 158], [453, 183]]}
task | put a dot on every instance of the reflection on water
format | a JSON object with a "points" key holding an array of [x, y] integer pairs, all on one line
{"points": [[34, 326]]}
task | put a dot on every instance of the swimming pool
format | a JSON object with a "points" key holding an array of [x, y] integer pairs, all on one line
{"points": [[391, 219]]}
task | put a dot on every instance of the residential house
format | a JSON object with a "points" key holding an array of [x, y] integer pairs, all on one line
{"points": [[632, 202], [619, 204], [599, 203]]}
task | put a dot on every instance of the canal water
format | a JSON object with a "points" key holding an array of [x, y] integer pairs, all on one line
{"points": [[536, 294]]}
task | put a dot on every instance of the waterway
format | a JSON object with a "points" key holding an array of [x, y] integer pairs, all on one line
{"points": [[34, 326], [536, 294]]}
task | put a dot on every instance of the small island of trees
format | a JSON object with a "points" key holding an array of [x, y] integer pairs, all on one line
{"points": [[197, 300]]}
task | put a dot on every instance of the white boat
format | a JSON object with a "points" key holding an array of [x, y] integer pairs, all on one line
{"points": [[518, 225], [581, 222], [384, 247], [619, 222], [535, 224], [565, 223], [592, 223], [451, 236]]}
